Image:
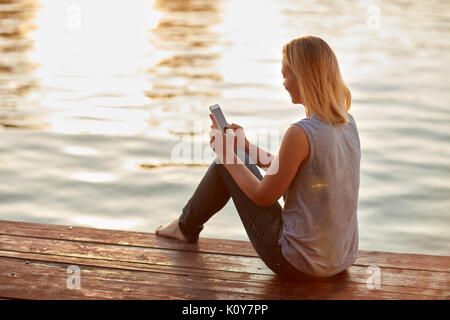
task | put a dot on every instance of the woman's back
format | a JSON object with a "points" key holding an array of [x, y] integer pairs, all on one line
{"points": [[320, 226]]}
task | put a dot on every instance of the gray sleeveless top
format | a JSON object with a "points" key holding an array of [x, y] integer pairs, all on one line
{"points": [[320, 226]]}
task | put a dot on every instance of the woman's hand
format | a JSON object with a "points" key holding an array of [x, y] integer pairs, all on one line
{"points": [[240, 141], [222, 143]]}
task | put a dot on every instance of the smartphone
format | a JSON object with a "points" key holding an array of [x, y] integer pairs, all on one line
{"points": [[218, 115]]}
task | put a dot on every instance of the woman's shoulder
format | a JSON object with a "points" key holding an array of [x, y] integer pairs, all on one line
{"points": [[310, 124], [315, 122]]}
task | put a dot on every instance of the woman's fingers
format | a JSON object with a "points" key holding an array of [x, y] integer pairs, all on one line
{"points": [[214, 125], [229, 131], [214, 132]]}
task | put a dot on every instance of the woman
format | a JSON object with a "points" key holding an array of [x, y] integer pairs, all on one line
{"points": [[316, 169]]}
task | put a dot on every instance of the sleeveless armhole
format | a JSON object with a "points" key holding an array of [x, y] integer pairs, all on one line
{"points": [[308, 133]]}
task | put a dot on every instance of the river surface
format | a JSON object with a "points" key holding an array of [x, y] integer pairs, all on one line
{"points": [[97, 97]]}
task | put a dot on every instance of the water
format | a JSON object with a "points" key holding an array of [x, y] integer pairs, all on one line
{"points": [[96, 94]]}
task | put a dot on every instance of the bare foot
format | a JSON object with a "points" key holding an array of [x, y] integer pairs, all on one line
{"points": [[171, 230]]}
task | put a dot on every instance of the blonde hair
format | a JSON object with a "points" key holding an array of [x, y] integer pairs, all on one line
{"points": [[322, 89]]}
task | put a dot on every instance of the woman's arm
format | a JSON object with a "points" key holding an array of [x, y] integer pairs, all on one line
{"points": [[262, 157], [294, 150]]}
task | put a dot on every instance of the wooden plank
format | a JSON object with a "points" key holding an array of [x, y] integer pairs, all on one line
{"points": [[192, 260], [396, 281], [211, 261], [178, 287], [396, 277], [48, 281], [131, 238], [404, 260], [231, 247], [390, 280], [129, 255], [143, 266]]}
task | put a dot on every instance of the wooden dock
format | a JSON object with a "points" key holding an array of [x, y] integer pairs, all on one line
{"points": [[34, 261]]}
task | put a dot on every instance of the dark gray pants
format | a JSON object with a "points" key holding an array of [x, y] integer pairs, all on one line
{"points": [[263, 224]]}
